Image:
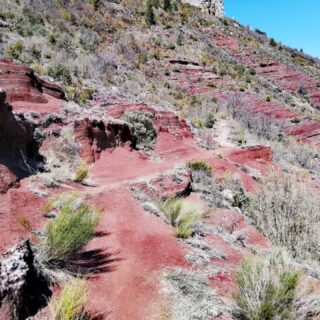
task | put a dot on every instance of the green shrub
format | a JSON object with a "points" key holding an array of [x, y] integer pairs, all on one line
{"points": [[272, 42], [143, 130], [198, 165], [61, 73], [210, 121], [266, 288], [70, 231], [70, 303], [78, 93], [167, 6], [176, 213], [14, 50], [150, 17]]}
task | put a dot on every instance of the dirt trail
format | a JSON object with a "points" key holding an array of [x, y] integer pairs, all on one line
{"points": [[135, 247]]}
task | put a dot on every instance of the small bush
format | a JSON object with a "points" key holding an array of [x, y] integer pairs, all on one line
{"points": [[191, 295], [144, 132], [61, 73], [150, 17], [14, 50], [70, 304], [210, 121], [198, 165], [176, 213], [167, 6], [70, 231], [272, 42], [288, 214], [266, 288]]}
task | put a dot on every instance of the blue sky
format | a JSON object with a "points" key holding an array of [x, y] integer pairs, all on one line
{"points": [[295, 23]]}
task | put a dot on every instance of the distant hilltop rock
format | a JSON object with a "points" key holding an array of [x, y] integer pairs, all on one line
{"points": [[215, 7]]}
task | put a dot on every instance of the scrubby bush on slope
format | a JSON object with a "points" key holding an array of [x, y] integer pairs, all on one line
{"points": [[266, 288], [288, 214]]}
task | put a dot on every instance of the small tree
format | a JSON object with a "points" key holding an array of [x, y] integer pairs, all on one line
{"points": [[149, 13], [167, 5]]}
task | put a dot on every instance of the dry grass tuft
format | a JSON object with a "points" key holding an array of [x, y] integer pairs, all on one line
{"points": [[70, 304], [177, 213]]}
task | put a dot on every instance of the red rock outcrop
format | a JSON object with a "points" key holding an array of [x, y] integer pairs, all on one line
{"points": [[18, 156], [163, 121], [95, 136], [24, 87]]}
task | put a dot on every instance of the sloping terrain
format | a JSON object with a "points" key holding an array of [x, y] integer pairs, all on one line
{"points": [[103, 105]]}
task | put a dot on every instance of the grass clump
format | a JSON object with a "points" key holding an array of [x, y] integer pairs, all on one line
{"points": [[266, 288], [176, 213], [72, 228], [198, 165], [70, 304], [81, 173]]}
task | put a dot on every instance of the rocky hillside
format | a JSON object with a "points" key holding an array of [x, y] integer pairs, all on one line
{"points": [[156, 162]]}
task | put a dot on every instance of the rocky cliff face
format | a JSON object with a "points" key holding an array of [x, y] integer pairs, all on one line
{"points": [[95, 136], [22, 288], [19, 155]]}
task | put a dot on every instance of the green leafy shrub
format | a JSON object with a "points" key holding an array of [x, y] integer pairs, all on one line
{"points": [[73, 227], [266, 288], [70, 303], [198, 165], [14, 50], [143, 130], [176, 213]]}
